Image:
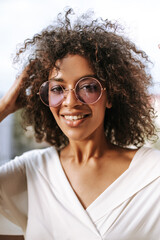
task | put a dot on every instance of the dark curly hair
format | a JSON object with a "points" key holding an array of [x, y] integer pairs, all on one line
{"points": [[114, 59]]}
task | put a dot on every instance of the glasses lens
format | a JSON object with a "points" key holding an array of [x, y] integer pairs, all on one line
{"points": [[88, 90], [51, 93]]}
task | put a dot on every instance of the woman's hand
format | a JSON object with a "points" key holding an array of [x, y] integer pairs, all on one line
{"points": [[9, 102]]}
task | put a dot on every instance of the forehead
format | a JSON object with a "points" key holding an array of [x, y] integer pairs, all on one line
{"points": [[72, 67]]}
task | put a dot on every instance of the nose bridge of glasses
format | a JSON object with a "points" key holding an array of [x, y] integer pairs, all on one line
{"points": [[68, 90], [69, 95]]}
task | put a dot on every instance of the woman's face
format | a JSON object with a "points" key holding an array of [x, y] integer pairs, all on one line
{"points": [[78, 121]]}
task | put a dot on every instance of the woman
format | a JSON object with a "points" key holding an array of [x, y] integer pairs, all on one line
{"points": [[84, 91]]}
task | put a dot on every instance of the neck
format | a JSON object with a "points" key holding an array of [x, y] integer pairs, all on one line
{"points": [[87, 150]]}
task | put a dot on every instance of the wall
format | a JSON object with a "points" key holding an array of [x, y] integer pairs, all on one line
{"points": [[5, 139]]}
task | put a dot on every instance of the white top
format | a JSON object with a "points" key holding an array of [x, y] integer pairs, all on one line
{"points": [[128, 209]]}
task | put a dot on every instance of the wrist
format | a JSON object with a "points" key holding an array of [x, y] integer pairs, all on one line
{"points": [[4, 110]]}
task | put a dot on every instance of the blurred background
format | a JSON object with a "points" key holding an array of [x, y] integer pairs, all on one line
{"points": [[21, 19]]}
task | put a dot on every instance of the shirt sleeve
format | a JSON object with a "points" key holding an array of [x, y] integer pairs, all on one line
{"points": [[13, 192]]}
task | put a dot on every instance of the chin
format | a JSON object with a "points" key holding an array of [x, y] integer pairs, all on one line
{"points": [[75, 137], [78, 136]]}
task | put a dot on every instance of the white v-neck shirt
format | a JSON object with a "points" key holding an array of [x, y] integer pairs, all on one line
{"points": [[36, 195]]}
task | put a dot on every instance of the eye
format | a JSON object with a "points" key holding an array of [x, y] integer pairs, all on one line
{"points": [[56, 89], [89, 87]]}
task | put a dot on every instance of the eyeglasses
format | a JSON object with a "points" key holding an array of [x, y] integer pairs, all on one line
{"points": [[88, 90]]}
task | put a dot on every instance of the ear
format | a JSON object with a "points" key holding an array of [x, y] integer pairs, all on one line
{"points": [[108, 105]]}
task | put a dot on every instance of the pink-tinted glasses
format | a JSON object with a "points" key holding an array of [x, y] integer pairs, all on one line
{"points": [[88, 90]]}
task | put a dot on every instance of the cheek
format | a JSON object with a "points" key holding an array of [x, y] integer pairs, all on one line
{"points": [[99, 110], [101, 104], [54, 112]]}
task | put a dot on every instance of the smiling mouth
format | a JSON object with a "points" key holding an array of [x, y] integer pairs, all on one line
{"points": [[75, 117]]}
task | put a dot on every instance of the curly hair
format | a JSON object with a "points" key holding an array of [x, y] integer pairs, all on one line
{"points": [[114, 59]]}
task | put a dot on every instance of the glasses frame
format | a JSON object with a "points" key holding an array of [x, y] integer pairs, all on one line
{"points": [[72, 89]]}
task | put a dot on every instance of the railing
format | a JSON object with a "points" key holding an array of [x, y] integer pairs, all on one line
{"points": [[10, 237]]}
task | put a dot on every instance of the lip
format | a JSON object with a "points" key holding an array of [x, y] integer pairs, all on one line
{"points": [[75, 123], [74, 113]]}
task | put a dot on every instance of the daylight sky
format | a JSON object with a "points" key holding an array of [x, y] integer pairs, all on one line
{"points": [[21, 19]]}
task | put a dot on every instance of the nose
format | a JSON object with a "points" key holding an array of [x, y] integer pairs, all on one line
{"points": [[70, 98]]}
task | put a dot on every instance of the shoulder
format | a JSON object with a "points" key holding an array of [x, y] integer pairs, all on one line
{"points": [[149, 154], [36, 153], [144, 171], [41, 162], [35, 158], [147, 160]]}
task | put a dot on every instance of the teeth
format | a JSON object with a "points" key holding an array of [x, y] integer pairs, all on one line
{"points": [[74, 117]]}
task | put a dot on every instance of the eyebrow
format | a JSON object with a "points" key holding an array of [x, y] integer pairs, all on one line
{"points": [[62, 80], [57, 79]]}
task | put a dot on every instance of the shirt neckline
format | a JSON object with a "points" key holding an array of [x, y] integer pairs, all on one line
{"points": [[108, 188]]}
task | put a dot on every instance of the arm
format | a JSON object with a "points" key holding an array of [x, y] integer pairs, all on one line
{"points": [[12, 175], [13, 191], [10, 103]]}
